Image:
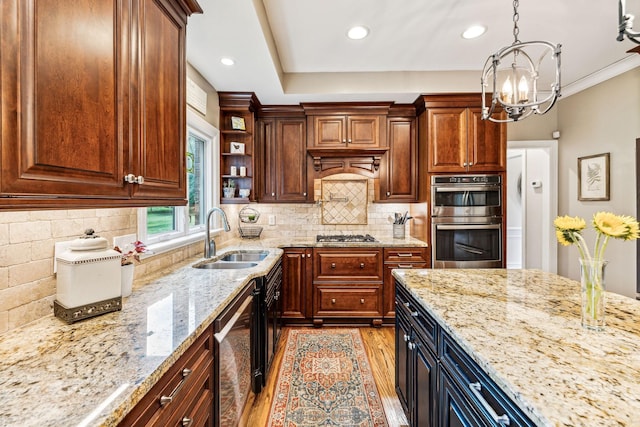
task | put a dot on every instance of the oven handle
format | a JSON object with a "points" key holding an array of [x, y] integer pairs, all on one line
{"points": [[468, 227], [469, 249], [469, 188]]}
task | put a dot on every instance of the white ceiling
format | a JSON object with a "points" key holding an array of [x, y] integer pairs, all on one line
{"points": [[291, 51]]}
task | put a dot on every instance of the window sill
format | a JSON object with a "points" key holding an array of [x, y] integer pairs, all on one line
{"points": [[179, 242]]}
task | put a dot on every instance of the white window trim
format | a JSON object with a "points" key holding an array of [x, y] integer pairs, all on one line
{"points": [[195, 124]]}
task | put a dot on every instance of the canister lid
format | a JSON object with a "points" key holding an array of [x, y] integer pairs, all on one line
{"points": [[88, 242]]}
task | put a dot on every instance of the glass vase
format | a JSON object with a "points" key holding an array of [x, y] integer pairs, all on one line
{"points": [[592, 294]]}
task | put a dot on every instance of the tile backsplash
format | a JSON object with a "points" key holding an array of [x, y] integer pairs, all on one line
{"points": [[344, 201]]}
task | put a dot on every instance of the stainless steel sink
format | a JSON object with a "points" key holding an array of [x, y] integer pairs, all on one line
{"points": [[246, 256], [222, 265]]}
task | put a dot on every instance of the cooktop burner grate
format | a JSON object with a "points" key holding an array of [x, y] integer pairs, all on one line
{"points": [[345, 238]]}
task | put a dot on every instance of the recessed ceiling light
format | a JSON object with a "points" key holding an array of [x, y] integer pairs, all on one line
{"points": [[227, 61], [474, 31], [358, 33]]}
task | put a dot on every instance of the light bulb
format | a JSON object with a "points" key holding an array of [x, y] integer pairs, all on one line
{"points": [[523, 90], [507, 91]]}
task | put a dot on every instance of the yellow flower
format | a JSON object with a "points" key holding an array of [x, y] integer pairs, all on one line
{"points": [[568, 223], [610, 225], [565, 239], [634, 228]]}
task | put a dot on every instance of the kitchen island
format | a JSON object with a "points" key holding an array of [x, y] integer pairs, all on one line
{"points": [[522, 328]]}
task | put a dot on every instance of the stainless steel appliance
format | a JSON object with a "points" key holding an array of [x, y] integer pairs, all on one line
{"points": [[466, 221], [236, 358], [345, 238], [466, 195]]}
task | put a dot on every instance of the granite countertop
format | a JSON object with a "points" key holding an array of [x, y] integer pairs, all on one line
{"points": [[92, 373], [523, 328]]}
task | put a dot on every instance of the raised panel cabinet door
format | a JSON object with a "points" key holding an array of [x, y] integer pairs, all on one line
{"points": [[425, 376], [329, 131], [267, 160], [363, 131], [487, 143], [291, 160], [161, 155], [65, 93], [401, 171], [294, 283], [403, 363], [447, 139]]}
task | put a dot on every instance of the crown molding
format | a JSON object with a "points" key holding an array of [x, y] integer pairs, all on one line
{"points": [[628, 63]]}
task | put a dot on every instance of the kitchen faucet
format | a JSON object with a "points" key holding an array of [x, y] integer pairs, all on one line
{"points": [[209, 243]]}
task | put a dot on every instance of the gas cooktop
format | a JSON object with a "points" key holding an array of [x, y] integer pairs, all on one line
{"points": [[345, 238]]}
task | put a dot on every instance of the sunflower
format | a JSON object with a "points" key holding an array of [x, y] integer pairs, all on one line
{"points": [[569, 223], [610, 225]]}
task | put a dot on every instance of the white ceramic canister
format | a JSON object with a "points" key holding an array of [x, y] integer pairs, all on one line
{"points": [[88, 272]]}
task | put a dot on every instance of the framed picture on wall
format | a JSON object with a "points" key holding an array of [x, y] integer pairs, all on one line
{"points": [[593, 177]]}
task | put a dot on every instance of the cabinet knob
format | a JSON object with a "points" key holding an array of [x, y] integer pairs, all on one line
{"points": [[388, 193], [333, 265], [186, 422], [406, 338], [304, 194], [470, 164], [362, 265], [273, 194], [333, 300], [349, 141], [132, 179], [464, 164], [308, 255], [276, 296], [344, 141], [361, 300]]}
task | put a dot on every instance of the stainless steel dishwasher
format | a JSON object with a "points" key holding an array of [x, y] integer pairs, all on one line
{"points": [[235, 359]]}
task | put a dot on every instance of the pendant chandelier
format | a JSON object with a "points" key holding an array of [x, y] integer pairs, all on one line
{"points": [[625, 24], [521, 76]]}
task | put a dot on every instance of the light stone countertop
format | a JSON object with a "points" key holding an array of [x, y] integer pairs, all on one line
{"points": [[92, 373], [523, 328]]}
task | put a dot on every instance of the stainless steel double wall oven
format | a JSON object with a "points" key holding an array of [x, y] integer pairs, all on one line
{"points": [[466, 221]]}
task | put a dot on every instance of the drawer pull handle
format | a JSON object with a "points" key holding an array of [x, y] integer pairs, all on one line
{"points": [[414, 314], [333, 265], [412, 346], [186, 422], [165, 400], [406, 304], [400, 254], [406, 338], [362, 265], [405, 266], [333, 300], [361, 300], [500, 419], [276, 295]]}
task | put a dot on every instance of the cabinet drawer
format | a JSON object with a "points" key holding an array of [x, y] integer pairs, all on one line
{"points": [[352, 265], [351, 302], [477, 387], [405, 255], [199, 360]]}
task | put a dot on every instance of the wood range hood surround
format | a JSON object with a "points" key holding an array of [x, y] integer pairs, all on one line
{"points": [[362, 160]]}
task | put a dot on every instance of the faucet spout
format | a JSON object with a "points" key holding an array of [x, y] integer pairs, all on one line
{"points": [[209, 243]]}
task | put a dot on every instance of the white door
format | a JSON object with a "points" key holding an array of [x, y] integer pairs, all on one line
{"points": [[532, 204]]}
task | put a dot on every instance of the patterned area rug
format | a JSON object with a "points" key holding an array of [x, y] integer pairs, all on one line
{"points": [[325, 380]]}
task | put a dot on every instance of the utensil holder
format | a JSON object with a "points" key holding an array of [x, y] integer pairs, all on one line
{"points": [[398, 231]]}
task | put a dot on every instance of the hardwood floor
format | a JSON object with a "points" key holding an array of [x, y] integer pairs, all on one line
{"points": [[379, 344]]}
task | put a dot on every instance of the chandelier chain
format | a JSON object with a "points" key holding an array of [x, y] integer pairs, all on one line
{"points": [[516, 18]]}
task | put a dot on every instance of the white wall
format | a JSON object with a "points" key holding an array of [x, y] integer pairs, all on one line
{"points": [[604, 118]]}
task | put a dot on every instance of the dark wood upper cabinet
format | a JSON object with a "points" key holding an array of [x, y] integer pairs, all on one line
{"points": [[91, 92], [346, 131], [399, 169], [283, 160], [458, 140]]}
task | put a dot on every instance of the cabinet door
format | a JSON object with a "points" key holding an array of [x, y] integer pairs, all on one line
{"points": [[160, 158], [425, 389], [486, 143], [403, 335], [363, 131], [65, 98], [329, 132], [455, 411], [291, 161], [267, 160], [296, 270], [399, 180], [447, 139]]}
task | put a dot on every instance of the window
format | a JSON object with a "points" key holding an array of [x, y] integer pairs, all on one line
{"points": [[166, 227]]}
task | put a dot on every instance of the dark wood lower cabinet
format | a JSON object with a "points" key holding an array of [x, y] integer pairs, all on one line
{"points": [[297, 266], [437, 382]]}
